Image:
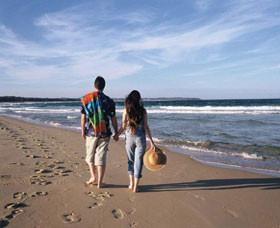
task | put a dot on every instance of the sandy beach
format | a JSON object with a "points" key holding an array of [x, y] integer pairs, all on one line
{"points": [[42, 185]]}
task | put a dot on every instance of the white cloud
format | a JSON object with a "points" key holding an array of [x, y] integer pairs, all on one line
{"points": [[202, 5], [87, 43], [34, 73]]}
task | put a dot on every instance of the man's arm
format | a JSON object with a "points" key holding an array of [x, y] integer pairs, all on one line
{"points": [[83, 121], [123, 127], [115, 124]]}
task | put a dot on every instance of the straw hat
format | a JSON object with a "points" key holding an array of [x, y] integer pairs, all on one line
{"points": [[154, 159]]}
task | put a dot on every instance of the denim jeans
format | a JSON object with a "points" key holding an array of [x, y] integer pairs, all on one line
{"points": [[135, 147]]}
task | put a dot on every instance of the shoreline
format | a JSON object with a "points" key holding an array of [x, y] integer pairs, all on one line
{"points": [[172, 148], [44, 166]]}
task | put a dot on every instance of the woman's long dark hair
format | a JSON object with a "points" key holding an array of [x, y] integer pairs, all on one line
{"points": [[134, 109]]}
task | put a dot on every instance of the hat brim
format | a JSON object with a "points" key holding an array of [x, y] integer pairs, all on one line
{"points": [[154, 167]]}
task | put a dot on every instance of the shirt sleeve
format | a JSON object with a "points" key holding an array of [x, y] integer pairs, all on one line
{"points": [[83, 110], [112, 110]]}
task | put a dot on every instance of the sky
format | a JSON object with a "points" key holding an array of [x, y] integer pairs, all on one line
{"points": [[180, 48]]}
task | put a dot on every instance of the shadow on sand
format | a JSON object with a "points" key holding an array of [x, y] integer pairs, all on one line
{"points": [[216, 184]]}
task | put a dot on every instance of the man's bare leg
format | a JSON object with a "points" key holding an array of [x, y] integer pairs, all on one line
{"points": [[92, 173], [131, 182], [101, 172]]}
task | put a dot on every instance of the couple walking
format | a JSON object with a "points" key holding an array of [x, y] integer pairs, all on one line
{"points": [[96, 112]]}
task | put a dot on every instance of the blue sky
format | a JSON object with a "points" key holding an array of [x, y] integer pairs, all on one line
{"points": [[192, 48]]}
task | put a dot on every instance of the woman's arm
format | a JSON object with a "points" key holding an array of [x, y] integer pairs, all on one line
{"points": [[123, 127], [147, 130]]}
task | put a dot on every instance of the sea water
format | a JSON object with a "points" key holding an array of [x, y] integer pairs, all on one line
{"points": [[232, 133]]}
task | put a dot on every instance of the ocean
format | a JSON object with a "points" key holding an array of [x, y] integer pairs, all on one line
{"points": [[241, 134]]}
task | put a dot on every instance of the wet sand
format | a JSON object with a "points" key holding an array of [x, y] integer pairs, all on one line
{"points": [[42, 177]]}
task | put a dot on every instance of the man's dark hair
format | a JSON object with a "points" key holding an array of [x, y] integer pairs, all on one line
{"points": [[99, 83]]}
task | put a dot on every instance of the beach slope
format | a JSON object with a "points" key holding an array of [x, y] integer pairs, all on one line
{"points": [[42, 177]]}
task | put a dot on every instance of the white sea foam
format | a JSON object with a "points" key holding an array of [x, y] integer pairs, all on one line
{"points": [[72, 117], [38, 110], [222, 108], [205, 150], [212, 110], [250, 156], [74, 128], [53, 123], [160, 109], [252, 169]]}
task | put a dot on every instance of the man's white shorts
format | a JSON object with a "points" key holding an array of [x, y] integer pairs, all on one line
{"points": [[96, 150]]}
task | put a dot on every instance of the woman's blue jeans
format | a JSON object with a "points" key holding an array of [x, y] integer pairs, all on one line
{"points": [[135, 147]]}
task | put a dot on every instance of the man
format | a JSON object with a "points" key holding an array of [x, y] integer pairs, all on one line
{"points": [[97, 109]]}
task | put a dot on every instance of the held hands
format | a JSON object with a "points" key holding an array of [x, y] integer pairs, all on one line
{"points": [[116, 137]]}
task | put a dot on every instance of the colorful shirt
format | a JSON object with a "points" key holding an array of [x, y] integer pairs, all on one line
{"points": [[98, 108]]}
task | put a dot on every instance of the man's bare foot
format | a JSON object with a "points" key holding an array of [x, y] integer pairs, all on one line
{"points": [[135, 189], [91, 181], [101, 185]]}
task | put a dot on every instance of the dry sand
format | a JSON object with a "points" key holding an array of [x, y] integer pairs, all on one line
{"points": [[42, 185]]}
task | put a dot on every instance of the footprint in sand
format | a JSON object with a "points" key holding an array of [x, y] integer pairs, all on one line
{"points": [[61, 173], [131, 199], [13, 214], [20, 195], [23, 147], [71, 218], [13, 136], [118, 213], [198, 197], [20, 140], [32, 156], [133, 224], [95, 205], [65, 171], [4, 177], [15, 205], [106, 195], [132, 211], [39, 171], [39, 180], [35, 194], [231, 213], [91, 194], [40, 163], [58, 162], [3, 222], [17, 163], [60, 167], [99, 197]]}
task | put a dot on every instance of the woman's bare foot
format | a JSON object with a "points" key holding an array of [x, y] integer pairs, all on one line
{"points": [[131, 187]]}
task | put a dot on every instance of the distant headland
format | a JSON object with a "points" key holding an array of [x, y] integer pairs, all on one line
{"points": [[33, 99], [37, 99]]}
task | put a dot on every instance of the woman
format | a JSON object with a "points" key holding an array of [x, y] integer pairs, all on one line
{"points": [[135, 123]]}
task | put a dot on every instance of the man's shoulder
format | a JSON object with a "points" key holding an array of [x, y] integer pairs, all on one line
{"points": [[108, 99]]}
